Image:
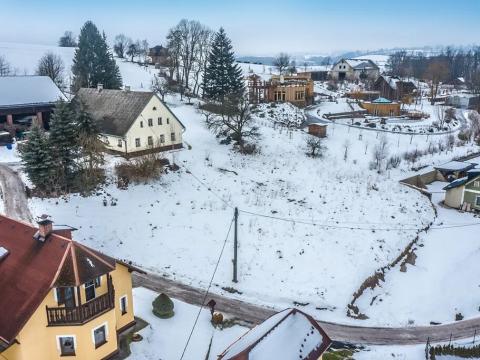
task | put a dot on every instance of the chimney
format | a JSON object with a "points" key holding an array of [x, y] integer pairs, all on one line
{"points": [[99, 87], [45, 228], [127, 88]]}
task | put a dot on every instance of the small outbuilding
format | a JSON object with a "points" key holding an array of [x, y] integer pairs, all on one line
{"points": [[453, 170], [464, 193], [382, 107], [289, 334], [317, 129]]}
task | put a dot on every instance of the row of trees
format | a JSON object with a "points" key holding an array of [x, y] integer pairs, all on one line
{"points": [[125, 46], [69, 156], [448, 65]]}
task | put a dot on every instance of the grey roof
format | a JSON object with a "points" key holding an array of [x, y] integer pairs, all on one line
{"points": [[453, 166], [114, 110], [18, 91], [456, 183], [361, 64]]}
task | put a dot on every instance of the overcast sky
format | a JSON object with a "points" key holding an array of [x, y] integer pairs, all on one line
{"points": [[256, 27]]}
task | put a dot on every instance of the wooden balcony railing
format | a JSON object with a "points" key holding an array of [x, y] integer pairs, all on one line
{"points": [[58, 316]]}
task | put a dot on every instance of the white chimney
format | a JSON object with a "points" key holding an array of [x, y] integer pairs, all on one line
{"points": [[99, 87]]}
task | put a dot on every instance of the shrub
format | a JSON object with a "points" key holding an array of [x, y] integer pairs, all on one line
{"points": [[141, 169], [394, 162], [163, 306]]}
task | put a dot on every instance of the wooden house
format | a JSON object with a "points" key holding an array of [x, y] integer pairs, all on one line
{"points": [[394, 88], [317, 129], [58, 297], [381, 107], [132, 122], [25, 100]]}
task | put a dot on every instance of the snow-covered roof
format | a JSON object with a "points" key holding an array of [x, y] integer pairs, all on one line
{"points": [[289, 334], [381, 100], [456, 166], [361, 64], [456, 183], [28, 90]]}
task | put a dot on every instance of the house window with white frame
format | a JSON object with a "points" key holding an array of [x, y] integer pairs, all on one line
{"points": [[476, 184], [150, 122], [162, 139], [90, 290], [159, 120], [137, 142], [141, 124], [119, 143], [123, 304], [99, 335], [150, 141], [477, 202], [172, 136], [66, 344], [168, 121]]}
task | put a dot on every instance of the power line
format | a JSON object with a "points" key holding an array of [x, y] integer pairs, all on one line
{"points": [[208, 289], [334, 224]]}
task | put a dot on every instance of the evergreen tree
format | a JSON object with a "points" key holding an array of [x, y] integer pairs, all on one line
{"points": [[88, 139], [93, 62], [222, 76], [37, 159], [64, 142]]}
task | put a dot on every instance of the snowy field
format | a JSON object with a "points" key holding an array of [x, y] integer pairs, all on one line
{"points": [[311, 230]]}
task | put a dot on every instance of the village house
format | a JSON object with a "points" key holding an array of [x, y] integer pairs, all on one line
{"points": [[464, 101], [392, 87], [354, 69], [158, 56], [132, 122], [289, 334], [318, 130], [381, 107], [25, 100], [454, 170], [295, 89], [464, 193], [59, 298]]}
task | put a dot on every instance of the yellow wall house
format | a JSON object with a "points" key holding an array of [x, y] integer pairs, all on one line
{"points": [[382, 107], [59, 298], [132, 122]]}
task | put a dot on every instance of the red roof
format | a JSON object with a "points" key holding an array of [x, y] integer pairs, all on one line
{"points": [[32, 268]]}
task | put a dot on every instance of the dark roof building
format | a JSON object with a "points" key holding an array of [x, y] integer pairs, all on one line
{"points": [[392, 87]]}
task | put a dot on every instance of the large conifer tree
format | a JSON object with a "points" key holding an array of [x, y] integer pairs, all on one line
{"points": [[93, 62], [37, 159], [63, 141], [222, 77]]}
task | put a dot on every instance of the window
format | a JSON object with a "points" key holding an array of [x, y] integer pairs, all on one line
{"points": [[477, 202], [90, 290], [137, 142], [168, 121], [162, 139], [66, 345], [98, 281], [100, 336], [154, 108], [150, 122], [279, 95], [123, 304], [141, 124], [159, 120], [299, 95], [150, 141], [476, 184], [119, 143], [172, 136], [65, 296]]}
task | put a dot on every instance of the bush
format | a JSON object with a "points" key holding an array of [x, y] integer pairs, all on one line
{"points": [[141, 169], [163, 306], [394, 162]]}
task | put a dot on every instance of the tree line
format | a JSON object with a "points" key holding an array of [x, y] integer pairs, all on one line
{"points": [[447, 66]]}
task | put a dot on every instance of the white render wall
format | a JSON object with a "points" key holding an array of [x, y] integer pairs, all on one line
{"points": [[136, 131]]}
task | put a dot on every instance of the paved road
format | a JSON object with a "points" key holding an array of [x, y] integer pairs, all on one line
{"points": [[254, 314], [14, 197]]}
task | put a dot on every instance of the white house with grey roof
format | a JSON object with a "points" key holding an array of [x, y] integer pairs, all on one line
{"points": [[354, 69], [132, 122]]}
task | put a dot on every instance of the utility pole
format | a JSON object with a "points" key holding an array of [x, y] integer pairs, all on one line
{"points": [[235, 246]]}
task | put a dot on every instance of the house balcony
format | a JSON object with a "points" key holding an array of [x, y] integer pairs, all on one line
{"points": [[78, 315]]}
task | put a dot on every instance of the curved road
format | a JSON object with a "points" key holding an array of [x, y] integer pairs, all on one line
{"points": [[255, 314], [16, 206], [14, 196]]}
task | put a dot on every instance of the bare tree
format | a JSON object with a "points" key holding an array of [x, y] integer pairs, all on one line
{"points": [[133, 50], [282, 62], [474, 118], [4, 67], [174, 46], [201, 57], [121, 44], [380, 152], [233, 119], [160, 86], [436, 72], [52, 65], [143, 50], [315, 146], [440, 111], [346, 147], [67, 40]]}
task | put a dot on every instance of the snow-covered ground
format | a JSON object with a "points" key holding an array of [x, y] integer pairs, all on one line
{"points": [[334, 221], [166, 338]]}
